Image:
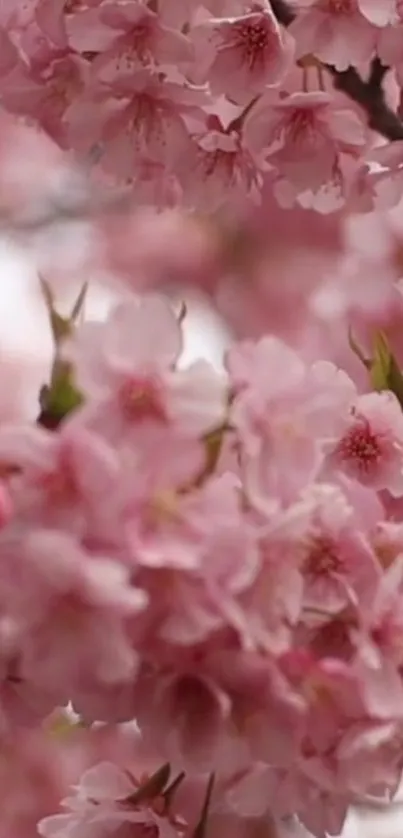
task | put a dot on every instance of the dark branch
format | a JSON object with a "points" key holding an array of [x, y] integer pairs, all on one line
{"points": [[283, 11], [377, 72], [368, 94]]}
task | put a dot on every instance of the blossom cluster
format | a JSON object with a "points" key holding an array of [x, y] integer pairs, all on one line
{"points": [[218, 556], [201, 579], [207, 103], [258, 131]]}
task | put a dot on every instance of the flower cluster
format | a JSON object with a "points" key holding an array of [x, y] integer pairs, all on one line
{"points": [[237, 146], [207, 103], [201, 585], [219, 557]]}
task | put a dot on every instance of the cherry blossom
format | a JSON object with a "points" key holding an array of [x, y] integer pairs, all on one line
{"points": [[50, 480], [370, 449], [283, 446], [218, 169], [336, 32], [389, 45], [306, 138], [201, 581], [240, 56], [104, 800], [132, 376]]}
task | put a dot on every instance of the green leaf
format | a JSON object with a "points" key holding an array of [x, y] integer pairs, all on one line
{"points": [[380, 365], [396, 381], [61, 397], [62, 327], [385, 373]]}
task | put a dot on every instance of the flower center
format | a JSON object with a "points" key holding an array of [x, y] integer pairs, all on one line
{"points": [[253, 37], [141, 398], [361, 446], [162, 509], [60, 484], [301, 126], [339, 7], [321, 558]]}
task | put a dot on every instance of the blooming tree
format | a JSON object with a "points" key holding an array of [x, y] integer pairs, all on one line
{"points": [[201, 578]]}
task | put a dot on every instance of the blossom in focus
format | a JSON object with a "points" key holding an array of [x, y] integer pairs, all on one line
{"points": [[306, 137], [371, 447], [338, 33], [129, 372], [241, 55]]}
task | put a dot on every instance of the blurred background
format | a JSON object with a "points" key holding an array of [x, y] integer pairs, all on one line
{"points": [[25, 339]]}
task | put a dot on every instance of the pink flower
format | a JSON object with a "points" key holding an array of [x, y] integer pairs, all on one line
{"points": [[390, 43], [185, 715], [379, 12], [46, 89], [337, 564], [43, 13], [136, 37], [137, 115], [50, 18], [387, 180], [187, 12], [283, 421], [32, 778], [337, 33], [65, 480], [381, 634], [305, 137], [9, 54], [240, 56], [100, 350], [23, 703], [105, 800], [370, 448], [273, 603], [73, 607], [218, 169], [195, 554], [128, 372], [370, 756]]}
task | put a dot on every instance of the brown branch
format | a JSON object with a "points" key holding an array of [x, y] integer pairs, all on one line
{"points": [[368, 94]]}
